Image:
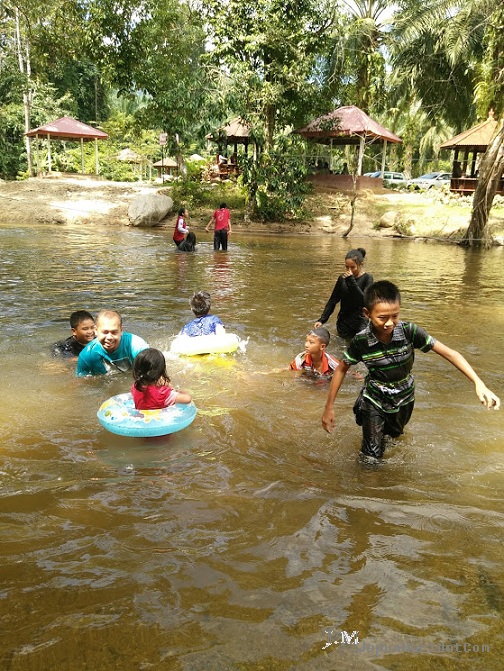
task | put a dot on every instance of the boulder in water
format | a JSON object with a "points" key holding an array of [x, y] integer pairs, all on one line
{"points": [[149, 210]]}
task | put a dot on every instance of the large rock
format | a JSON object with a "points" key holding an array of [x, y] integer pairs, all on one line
{"points": [[389, 219], [149, 210]]}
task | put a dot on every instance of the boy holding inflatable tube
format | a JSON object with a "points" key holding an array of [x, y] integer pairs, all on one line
{"points": [[204, 324]]}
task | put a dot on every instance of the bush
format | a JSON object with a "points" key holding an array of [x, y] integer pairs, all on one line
{"points": [[275, 183], [192, 192]]}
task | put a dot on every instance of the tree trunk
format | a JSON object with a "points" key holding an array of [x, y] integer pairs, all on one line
{"points": [[353, 200], [25, 69], [270, 125], [490, 174]]}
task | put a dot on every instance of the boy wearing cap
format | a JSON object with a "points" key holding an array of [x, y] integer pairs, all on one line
{"points": [[314, 360]]}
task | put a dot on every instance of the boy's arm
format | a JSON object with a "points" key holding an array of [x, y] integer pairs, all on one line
{"points": [[209, 224], [336, 382], [484, 394]]}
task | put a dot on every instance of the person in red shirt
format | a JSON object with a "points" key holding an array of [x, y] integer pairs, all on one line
{"points": [[181, 227], [314, 360], [221, 219], [151, 389]]}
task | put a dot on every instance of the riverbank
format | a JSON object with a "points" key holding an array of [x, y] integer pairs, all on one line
{"points": [[85, 200]]}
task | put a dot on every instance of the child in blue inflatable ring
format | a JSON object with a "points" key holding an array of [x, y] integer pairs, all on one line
{"points": [[151, 389], [204, 324]]}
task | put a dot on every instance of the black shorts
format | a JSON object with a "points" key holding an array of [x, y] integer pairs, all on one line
{"points": [[376, 424]]}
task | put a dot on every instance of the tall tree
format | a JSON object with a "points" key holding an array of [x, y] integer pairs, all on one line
{"points": [[489, 95], [155, 47], [269, 48], [462, 35], [356, 67]]}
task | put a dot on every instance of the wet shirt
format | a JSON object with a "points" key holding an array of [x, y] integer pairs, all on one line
{"points": [[181, 228], [202, 326], [349, 291], [389, 383], [222, 218], [69, 347], [304, 362], [95, 360], [153, 397]]}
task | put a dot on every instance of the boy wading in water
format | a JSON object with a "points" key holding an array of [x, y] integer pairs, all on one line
{"points": [[386, 346]]}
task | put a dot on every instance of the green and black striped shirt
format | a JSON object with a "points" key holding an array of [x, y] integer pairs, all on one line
{"points": [[389, 383]]}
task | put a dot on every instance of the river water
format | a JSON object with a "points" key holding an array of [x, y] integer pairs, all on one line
{"points": [[250, 540]]}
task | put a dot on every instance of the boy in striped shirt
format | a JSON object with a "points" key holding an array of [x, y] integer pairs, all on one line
{"points": [[386, 346]]}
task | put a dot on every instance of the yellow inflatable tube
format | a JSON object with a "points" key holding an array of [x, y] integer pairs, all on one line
{"points": [[205, 344]]}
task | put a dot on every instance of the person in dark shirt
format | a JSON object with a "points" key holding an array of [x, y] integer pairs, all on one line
{"points": [[83, 328], [349, 291]]}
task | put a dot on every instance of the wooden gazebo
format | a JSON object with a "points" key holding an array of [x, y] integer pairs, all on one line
{"points": [[349, 126], [165, 166], [468, 148], [66, 128], [234, 133]]}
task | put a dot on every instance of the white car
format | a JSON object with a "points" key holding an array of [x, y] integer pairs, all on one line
{"points": [[390, 177], [431, 180]]}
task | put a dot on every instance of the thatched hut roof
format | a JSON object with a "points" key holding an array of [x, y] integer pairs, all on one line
{"points": [[346, 125], [478, 137], [67, 128]]}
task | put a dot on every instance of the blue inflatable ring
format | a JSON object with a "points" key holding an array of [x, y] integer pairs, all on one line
{"points": [[119, 415]]}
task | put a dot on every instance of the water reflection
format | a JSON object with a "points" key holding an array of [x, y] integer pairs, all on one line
{"points": [[236, 543]]}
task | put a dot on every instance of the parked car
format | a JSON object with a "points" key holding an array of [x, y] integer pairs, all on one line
{"points": [[395, 178], [431, 180]]}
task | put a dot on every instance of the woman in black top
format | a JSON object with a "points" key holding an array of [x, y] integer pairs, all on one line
{"points": [[349, 290]]}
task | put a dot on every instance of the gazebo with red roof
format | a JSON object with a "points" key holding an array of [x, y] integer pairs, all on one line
{"points": [[235, 132], [67, 128], [475, 141], [349, 126]]}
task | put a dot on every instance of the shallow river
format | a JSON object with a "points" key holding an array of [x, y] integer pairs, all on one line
{"points": [[252, 539]]}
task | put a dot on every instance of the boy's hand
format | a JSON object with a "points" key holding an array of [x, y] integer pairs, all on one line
{"points": [[487, 397], [328, 419]]}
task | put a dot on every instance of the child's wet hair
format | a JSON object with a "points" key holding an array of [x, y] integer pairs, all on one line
{"points": [[78, 317], [381, 292], [356, 255], [149, 366], [322, 334], [200, 303]]}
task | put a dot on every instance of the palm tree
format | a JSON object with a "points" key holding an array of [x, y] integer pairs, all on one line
{"points": [[452, 52], [356, 56]]}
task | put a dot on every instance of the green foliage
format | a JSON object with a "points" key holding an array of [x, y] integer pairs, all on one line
{"points": [[270, 49], [276, 183], [355, 65], [45, 107], [192, 192], [490, 88]]}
